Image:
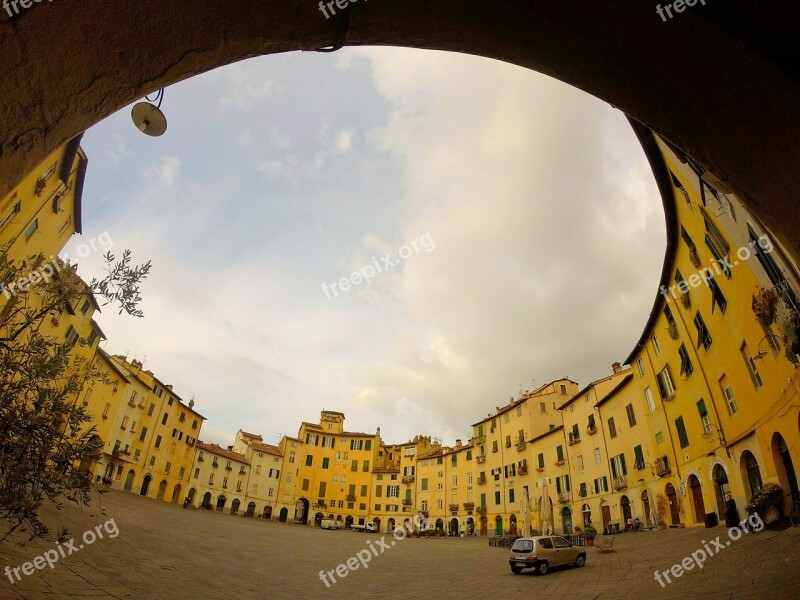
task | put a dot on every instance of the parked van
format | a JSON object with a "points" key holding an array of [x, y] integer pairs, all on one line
{"points": [[328, 524]]}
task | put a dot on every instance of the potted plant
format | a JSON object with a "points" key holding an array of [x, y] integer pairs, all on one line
{"points": [[767, 503], [764, 305], [673, 330], [590, 533]]}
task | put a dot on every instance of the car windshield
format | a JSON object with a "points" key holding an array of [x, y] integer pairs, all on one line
{"points": [[522, 546]]}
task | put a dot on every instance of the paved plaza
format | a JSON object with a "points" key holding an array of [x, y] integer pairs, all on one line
{"points": [[164, 552]]}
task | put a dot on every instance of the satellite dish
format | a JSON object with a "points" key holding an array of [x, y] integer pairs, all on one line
{"points": [[149, 119]]}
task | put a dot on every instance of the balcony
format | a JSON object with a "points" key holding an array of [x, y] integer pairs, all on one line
{"points": [[242, 472], [508, 443], [215, 464], [132, 403], [408, 479], [620, 483], [453, 507], [320, 504], [228, 468], [351, 498], [574, 439], [469, 506], [481, 459], [481, 510], [115, 452], [540, 469], [662, 466], [406, 501], [563, 497], [521, 446], [523, 470], [479, 439], [591, 430], [560, 462], [482, 480]]}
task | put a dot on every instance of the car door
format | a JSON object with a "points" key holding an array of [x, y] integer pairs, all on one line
{"points": [[546, 550], [564, 551]]}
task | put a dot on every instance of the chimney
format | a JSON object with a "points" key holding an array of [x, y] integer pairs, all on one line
{"points": [[617, 367], [458, 443], [191, 404]]}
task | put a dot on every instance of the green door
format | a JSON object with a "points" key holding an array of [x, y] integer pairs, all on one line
{"points": [[498, 525]]}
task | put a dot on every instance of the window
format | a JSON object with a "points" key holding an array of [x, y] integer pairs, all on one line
{"points": [[651, 403], [356, 444], [728, 394], [631, 415], [354, 465], [392, 491], [164, 418], [92, 337], [751, 366], [562, 484], [325, 463], [31, 229], [424, 487], [591, 424], [656, 347], [10, 215], [454, 481], [597, 458], [150, 410], [85, 307], [686, 363], [659, 437], [71, 336], [365, 466], [306, 483], [540, 460], [106, 409], [665, 386], [563, 390], [703, 337], [681, 428], [618, 468], [327, 442], [309, 460], [152, 461], [312, 439], [582, 491], [638, 458], [511, 495], [197, 473], [580, 462], [167, 468], [291, 456], [668, 314], [612, 428], [158, 441], [559, 453], [497, 497], [601, 485], [717, 244], [211, 479], [706, 420], [717, 297], [143, 434], [639, 365], [689, 242], [368, 445]]}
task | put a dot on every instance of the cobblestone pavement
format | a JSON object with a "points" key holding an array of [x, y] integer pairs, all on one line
{"points": [[165, 552]]}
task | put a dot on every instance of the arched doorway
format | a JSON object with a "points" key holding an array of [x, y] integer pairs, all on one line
{"points": [[605, 512], [267, 514], [672, 501], [587, 515], [787, 476], [301, 511], [129, 481], [377, 522], [454, 526], [146, 485], [251, 510], [566, 519], [221, 500], [625, 506], [698, 506], [751, 473], [498, 525], [512, 524], [109, 473], [721, 489], [439, 525], [235, 506], [318, 519], [484, 526], [470, 526], [162, 489], [348, 522], [176, 493], [207, 500], [390, 525], [646, 504], [283, 515], [192, 494]]}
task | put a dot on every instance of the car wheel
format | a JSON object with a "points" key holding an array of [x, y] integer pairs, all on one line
{"points": [[581, 560], [542, 568], [516, 570]]}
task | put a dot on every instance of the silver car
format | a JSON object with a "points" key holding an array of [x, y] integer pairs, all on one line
{"points": [[544, 551]]}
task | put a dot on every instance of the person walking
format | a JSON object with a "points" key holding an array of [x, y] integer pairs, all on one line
{"points": [[731, 512]]}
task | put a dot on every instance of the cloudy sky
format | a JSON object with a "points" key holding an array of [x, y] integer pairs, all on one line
{"points": [[529, 222]]}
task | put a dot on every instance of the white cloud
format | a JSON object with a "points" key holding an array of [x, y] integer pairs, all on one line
{"points": [[163, 173]]}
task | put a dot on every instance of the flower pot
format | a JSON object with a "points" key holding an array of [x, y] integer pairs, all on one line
{"points": [[590, 542], [771, 515]]}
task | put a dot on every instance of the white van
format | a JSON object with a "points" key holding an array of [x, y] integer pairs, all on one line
{"points": [[328, 524]]}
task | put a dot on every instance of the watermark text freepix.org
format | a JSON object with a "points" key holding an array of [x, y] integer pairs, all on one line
{"points": [[54, 265], [723, 265], [62, 550], [698, 557], [16, 4], [363, 557], [678, 6], [340, 4], [368, 272]]}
